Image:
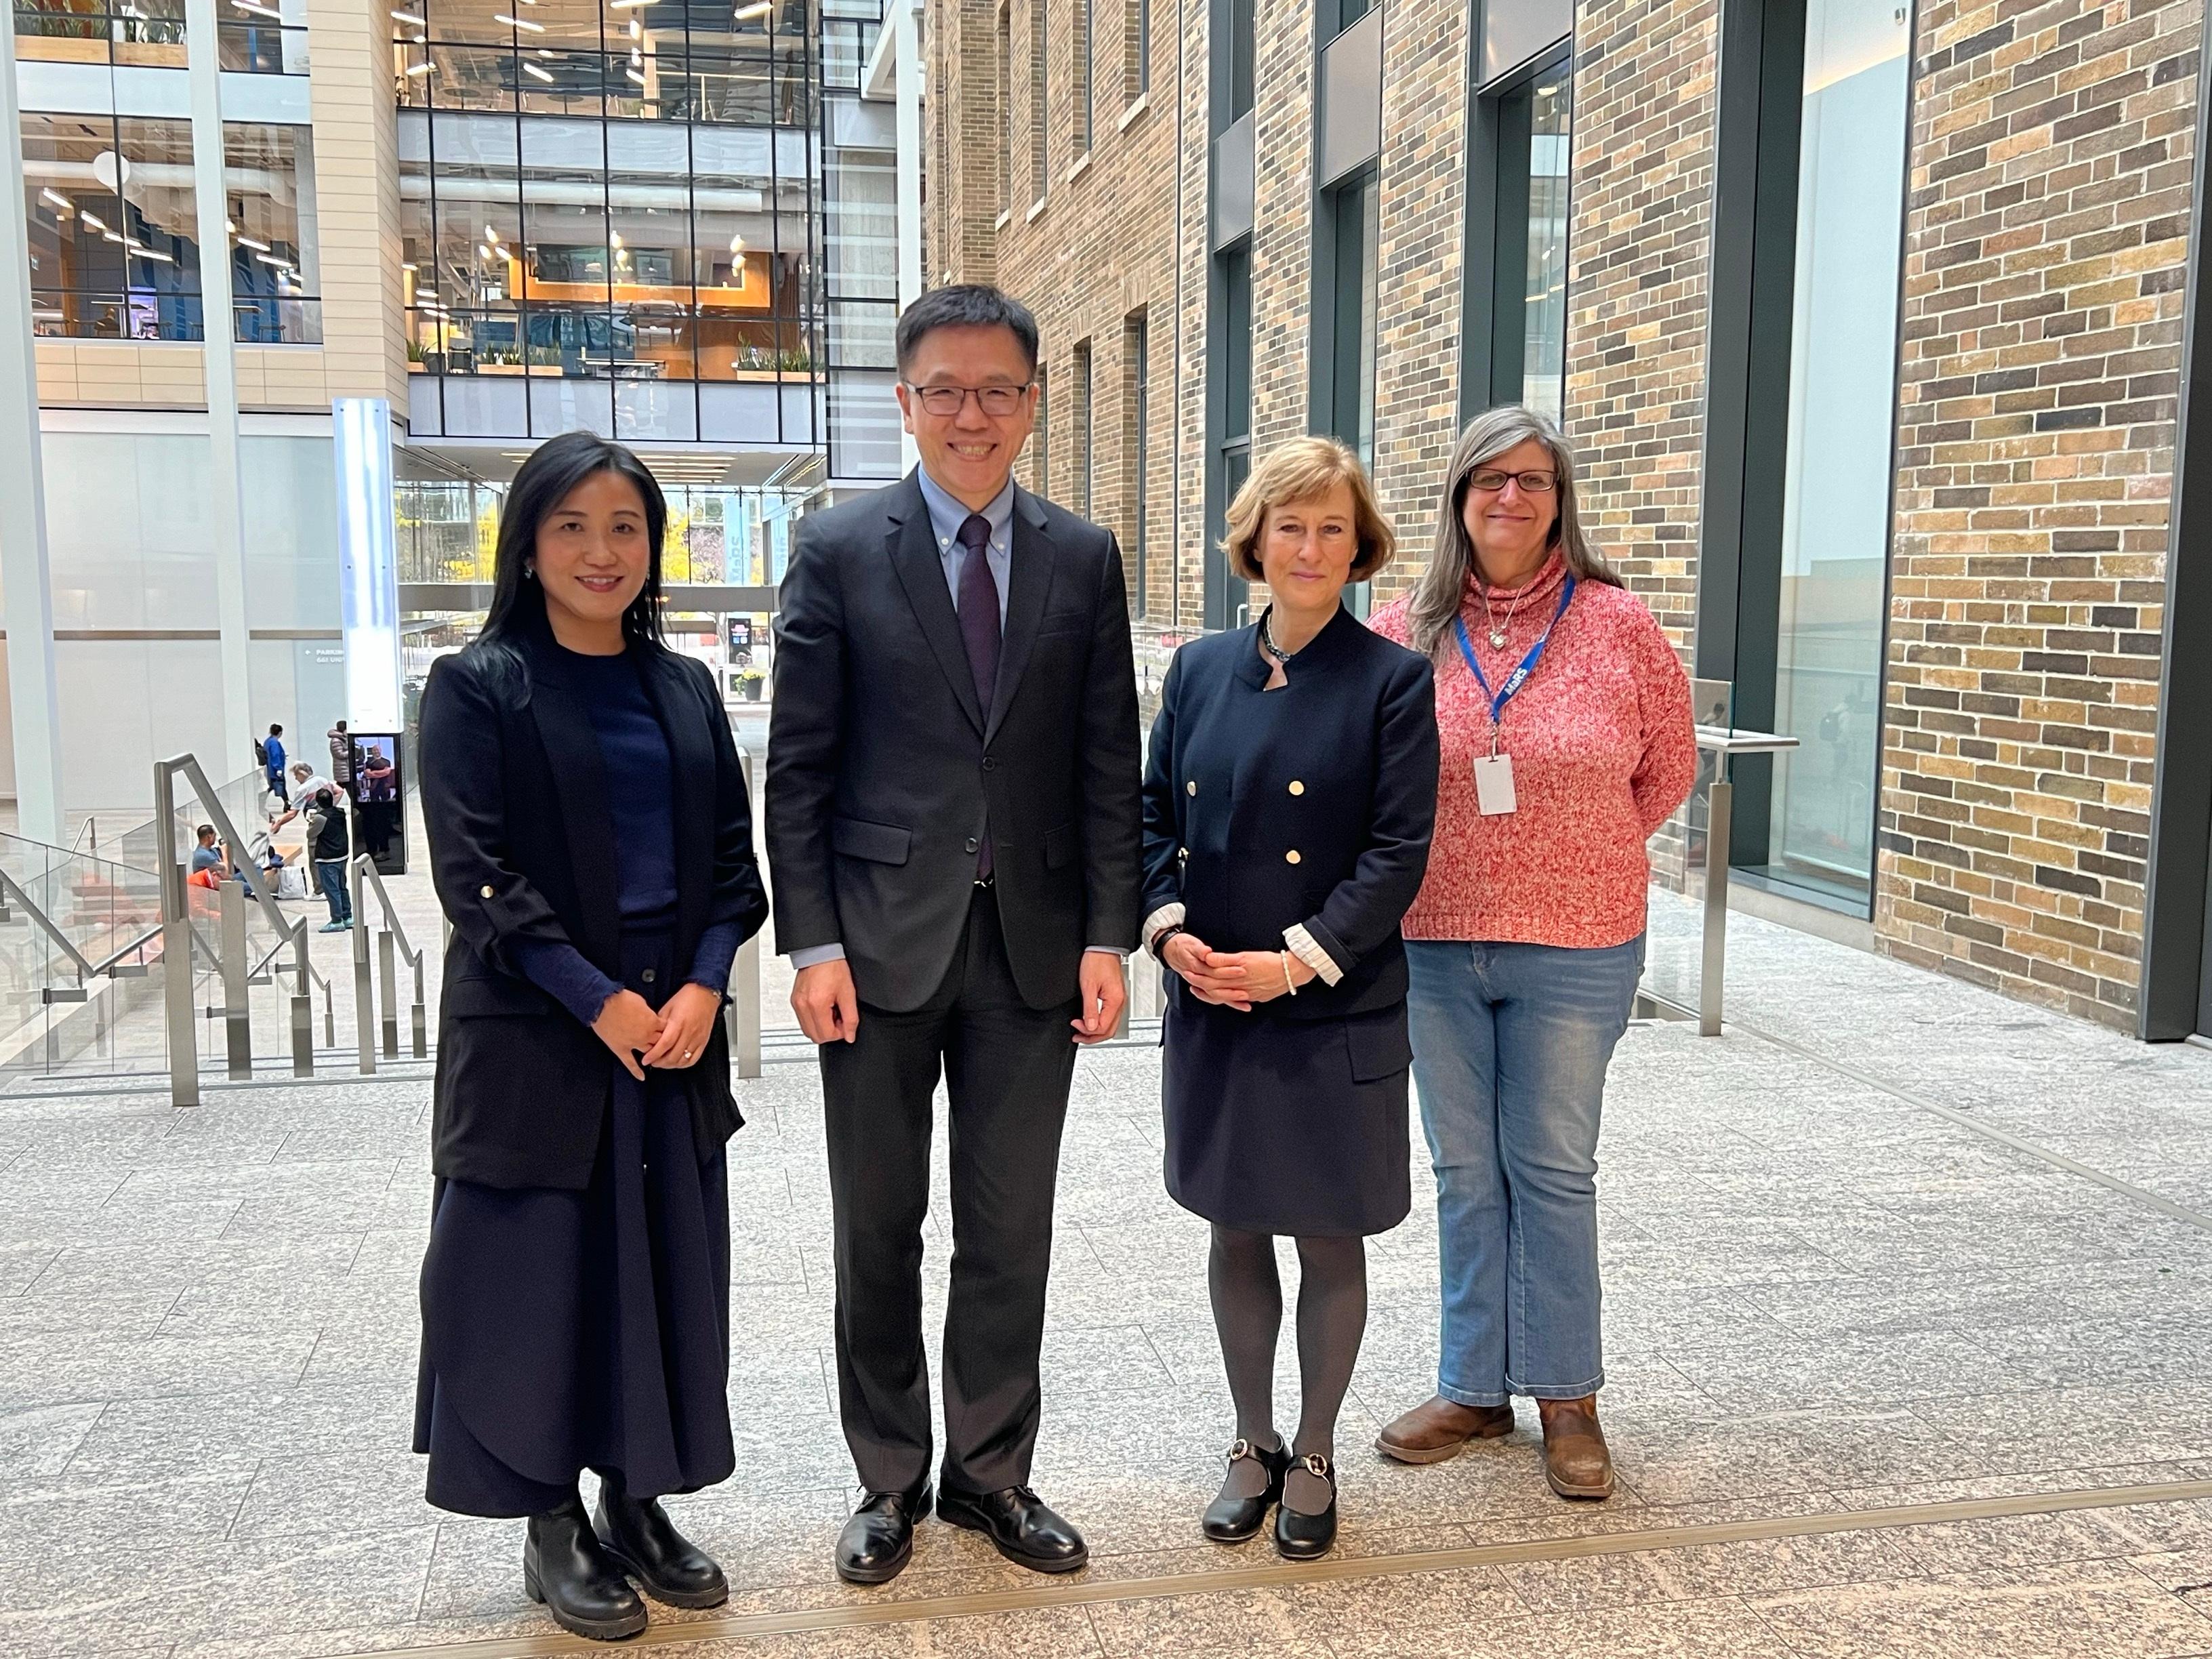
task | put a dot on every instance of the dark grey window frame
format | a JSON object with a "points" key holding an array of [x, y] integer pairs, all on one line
{"points": [[1338, 250], [1136, 369], [1753, 268], [1492, 314]]}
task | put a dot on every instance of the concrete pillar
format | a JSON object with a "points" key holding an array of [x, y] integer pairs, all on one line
{"points": [[226, 516], [24, 574]]}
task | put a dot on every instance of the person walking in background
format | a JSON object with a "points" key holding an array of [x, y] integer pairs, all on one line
{"points": [[341, 756], [591, 842], [952, 827], [272, 760], [1289, 795], [1567, 739], [329, 847]]}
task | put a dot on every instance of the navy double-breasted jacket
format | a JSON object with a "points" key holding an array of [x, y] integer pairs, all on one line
{"points": [[1309, 806]]}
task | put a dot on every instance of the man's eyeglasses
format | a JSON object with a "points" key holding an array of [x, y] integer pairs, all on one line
{"points": [[949, 400], [1532, 483]]}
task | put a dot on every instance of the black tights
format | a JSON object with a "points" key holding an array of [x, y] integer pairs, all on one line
{"points": [[1247, 1313]]}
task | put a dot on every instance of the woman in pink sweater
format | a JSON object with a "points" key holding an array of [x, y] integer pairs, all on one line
{"points": [[1566, 740]]}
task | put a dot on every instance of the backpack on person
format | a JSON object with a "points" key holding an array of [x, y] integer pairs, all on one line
{"points": [[261, 754]]}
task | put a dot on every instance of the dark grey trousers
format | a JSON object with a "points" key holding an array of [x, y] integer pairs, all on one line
{"points": [[1007, 1067]]}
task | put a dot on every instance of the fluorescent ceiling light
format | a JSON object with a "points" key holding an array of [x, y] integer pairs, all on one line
{"points": [[409, 17], [270, 259], [758, 9], [420, 69], [58, 200], [94, 220], [532, 70], [633, 74], [113, 238], [148, 253], [507, 18], [259, 247]]}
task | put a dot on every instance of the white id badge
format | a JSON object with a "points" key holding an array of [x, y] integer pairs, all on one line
{"points": [[1494, 785]]}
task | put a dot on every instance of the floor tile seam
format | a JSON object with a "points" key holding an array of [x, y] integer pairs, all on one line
{"points": [[1992, 1131], [1335, 1570]]}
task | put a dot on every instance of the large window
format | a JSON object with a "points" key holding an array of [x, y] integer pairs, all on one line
{"points": [[1229, 348], [265, 37], [1082, 491], [1040, 105], [1345, 291], [609, 220], [269, 178], [1836, 488], [1137, 49], [1516, 314], [1085, 25], [114, 240], [1136, 447], [1808, 248]]}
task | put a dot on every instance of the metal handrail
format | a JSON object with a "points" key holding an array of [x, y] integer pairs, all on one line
{"points": [[392, 942], [134, 946], [178, 940], [14, 889]]}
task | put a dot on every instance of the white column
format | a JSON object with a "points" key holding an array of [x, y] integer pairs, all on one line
{"points": [[29, 608], [907, 57], [225, 516]]}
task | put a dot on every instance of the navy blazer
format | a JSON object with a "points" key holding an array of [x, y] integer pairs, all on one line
{"points": [[1317, 811], [522, 846]]}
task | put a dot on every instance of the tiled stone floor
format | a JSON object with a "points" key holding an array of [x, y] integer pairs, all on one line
{"points": [[1823, 1296]]}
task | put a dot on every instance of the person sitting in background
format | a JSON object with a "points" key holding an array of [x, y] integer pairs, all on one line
{"points": [[208, 863]]}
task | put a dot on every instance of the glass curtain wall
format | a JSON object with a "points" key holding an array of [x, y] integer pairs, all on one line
{"points": [[255, 37], [608, 212], [1836, 500]]}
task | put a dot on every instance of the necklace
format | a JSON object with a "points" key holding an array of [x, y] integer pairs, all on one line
{"points": [[1497, 627], [1267, 638]]}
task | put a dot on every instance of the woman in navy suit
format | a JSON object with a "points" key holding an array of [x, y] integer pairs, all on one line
{"points": [[1289, 797]]}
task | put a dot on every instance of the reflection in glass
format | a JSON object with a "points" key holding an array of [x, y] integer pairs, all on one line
{"points": [[275, 260], [1544, 313], [1850, 184]]}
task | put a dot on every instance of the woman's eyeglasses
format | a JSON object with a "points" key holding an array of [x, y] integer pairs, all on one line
{"points": [[1486, 478], [949, 400]]}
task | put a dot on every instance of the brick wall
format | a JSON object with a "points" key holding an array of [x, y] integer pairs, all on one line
{"points": [[2045, 254], [1639, 246]]}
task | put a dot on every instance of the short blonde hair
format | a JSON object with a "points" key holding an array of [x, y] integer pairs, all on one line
{"points": [[1305, 470]]}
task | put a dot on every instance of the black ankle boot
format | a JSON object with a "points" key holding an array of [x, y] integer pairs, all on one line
{"points": [[581, 1584], [638, 1534]]}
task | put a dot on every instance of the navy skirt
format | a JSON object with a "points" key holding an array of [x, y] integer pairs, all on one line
{"points": [[567, 1330], [1286, 1126]]}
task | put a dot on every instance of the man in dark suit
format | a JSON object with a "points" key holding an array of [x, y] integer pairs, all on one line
{"points": [[953, 832]]}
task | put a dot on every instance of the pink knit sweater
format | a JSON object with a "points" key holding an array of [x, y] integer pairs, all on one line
{"points": [[1603, 751]]}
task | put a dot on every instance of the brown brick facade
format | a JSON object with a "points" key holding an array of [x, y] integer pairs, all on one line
{"points": [[2045, 248], [2049, 176]]}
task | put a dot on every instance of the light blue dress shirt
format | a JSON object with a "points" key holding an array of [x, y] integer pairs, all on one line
{"points": [[946, 515]]}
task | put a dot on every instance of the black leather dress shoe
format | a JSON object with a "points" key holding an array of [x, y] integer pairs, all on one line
{"points": [[638, 1534], [565, 1567], [1021, 1525], [1232, 1520], [879, 1539], [1301, 1537]]}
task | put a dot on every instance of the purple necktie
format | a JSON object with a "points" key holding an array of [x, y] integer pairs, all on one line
{"points": [[979, 630]]}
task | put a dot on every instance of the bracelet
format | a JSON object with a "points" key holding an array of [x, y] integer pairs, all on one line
{"points": [[1289, 984], [1159, 947]]}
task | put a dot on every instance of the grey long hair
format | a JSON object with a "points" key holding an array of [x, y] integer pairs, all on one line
{"points": [[1442, 587]]}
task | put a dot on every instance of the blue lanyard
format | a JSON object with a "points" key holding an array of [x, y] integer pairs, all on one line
{"points": [[1519, 676]]}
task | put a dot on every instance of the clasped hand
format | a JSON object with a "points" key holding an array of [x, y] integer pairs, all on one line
{"points": [[1233, 979], [671, 1040]]}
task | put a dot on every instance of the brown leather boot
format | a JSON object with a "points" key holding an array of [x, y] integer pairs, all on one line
{"points": [[1438, 1428], [1575, 1461]]}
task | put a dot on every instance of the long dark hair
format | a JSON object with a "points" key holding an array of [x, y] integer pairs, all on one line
{"points": [[555, 468]]}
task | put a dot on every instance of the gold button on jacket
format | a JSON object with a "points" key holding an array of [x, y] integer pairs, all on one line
{"points": [[1297, 788], [1291, 857], [484, 893]]}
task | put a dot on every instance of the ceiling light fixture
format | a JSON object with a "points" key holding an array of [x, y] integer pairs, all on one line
{"points": [[148, 253], [93, 218], [635, 76], [259, 247], [409, 17], [538, 73], [758, 9], [507, 18], [420, 68], [58, 200]]}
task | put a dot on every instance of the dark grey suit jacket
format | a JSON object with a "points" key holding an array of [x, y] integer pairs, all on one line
{"points": [[882, 768]]}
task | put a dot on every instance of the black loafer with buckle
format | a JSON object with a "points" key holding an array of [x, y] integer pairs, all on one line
{"points": [[1230, 1520], [1302, 1537]]}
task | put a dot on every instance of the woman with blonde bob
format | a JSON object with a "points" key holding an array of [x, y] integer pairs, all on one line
{"points": [[1565, 721], [1288, 798]]}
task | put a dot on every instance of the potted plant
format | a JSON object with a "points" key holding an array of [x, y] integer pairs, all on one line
{"points": [[749, 684]]}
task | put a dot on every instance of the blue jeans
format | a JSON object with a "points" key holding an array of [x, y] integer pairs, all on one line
{"points": [[1510, 1045], [330, 873]]}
